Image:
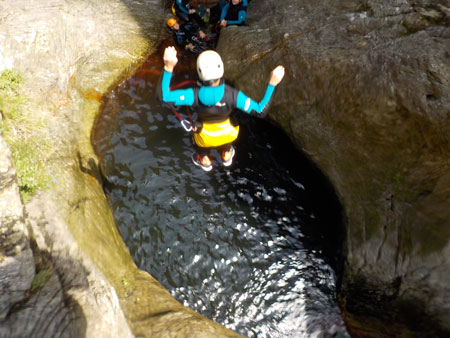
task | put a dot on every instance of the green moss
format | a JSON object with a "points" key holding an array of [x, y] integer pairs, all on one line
{"points": [[11, 101], [39, 280], [398, 178], [31, 175], [28, 147]]}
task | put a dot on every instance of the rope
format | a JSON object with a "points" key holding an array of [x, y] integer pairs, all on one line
{"points": [[175, 112], [187, 125], [182, 84]]}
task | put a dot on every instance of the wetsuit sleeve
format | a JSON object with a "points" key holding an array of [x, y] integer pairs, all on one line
{"points": [[224, 12], [179, 97], [252, 107], [181, 7], [242, 15]]}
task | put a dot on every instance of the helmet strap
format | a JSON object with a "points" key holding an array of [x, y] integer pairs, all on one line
{"points": [[209, 83]]}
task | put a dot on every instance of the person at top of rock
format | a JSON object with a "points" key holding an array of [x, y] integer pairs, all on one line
{"points": [[214, 101], [190, 37], [184, 11], [234, 12], [215, 11]]}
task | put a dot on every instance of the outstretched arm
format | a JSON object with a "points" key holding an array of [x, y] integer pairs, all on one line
{"points": [[250, 106], [224, 11], [179, 96]]}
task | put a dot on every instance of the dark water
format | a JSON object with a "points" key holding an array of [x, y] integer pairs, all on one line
{"points": [[254, 247]]}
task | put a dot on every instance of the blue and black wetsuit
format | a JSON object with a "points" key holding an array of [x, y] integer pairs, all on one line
{"points": [[182, 8], [234, 14], [214, 106], [215, 11]]}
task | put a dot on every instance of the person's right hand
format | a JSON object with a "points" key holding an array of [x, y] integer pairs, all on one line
{"points": [[223, 23], [191, 11], [276, 75], [170, 58]]}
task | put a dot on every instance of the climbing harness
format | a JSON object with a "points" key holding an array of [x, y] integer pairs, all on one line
{"points": [[187, 125]]}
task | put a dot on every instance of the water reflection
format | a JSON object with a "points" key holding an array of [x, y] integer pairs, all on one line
{"points": [[251, 246]]}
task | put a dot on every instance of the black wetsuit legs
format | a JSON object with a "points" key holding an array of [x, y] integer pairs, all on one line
{"points": [[202, 151]]}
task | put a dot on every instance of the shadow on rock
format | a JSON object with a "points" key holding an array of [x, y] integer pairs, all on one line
{"points": [[50, 306]]}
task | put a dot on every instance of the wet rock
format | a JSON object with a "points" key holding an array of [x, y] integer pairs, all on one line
{"points": [[16, 259], [367, 97]]}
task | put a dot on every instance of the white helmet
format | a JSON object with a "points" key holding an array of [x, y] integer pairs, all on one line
{"points": [[209, 66]]}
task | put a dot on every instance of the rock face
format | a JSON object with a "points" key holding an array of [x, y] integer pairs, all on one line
{"points": [[16, 258], [367, 97], [54, 298]]}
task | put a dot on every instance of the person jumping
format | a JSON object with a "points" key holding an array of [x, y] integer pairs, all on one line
{"points": [[214, 101]]}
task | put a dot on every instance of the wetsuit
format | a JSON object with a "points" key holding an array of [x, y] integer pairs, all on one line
{"points": [[234, 14], [216, 11], [190, 34], [214, 106], [182, 8]]}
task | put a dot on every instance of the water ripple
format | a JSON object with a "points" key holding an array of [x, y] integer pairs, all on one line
{"points": [[251, 247]]}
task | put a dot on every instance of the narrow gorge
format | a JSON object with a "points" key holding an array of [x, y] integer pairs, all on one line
{"points": [[366, 98]]}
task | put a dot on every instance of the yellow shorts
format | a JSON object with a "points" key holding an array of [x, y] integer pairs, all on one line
{"points": [[216, 134]]}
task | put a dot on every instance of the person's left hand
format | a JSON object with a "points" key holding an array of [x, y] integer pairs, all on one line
{"points": [[170, 58], [202, 34]]}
